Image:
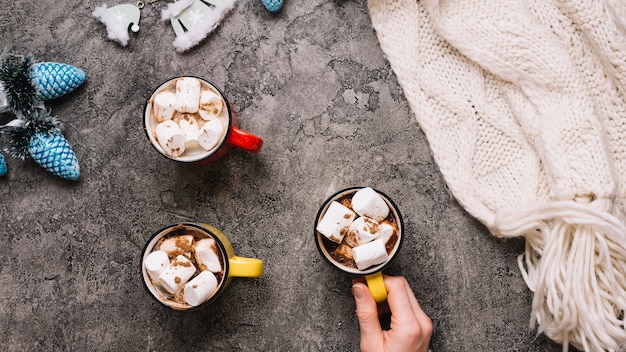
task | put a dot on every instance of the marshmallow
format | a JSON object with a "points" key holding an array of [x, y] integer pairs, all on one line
{"points": [[171, 138], [366, 202], [336, 221], [385, 231], [206, 254], [361, 231], [211, 134], [200, 288], [372, 253], [175, 275], [176, 245], [189, 125], [187, 94], [163, 105], [210, 105], [155, 263]]}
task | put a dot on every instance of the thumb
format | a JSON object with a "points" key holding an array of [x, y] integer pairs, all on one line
{"points": [[367, 314]]}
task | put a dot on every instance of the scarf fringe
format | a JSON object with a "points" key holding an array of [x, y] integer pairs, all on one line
{"points": [[575, 263]]}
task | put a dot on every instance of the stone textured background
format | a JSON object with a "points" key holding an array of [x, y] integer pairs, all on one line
{"points": [[312, 81]]}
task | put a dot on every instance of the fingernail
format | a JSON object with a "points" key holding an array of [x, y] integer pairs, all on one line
{"points": [[357, 291]]}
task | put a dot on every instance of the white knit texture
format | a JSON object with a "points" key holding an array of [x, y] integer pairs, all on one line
{"points": [[523, 104]]}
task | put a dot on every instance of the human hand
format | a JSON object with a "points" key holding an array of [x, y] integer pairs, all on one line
{"points": [[410, 328]]}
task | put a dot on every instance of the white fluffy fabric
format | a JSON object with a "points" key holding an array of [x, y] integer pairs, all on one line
{"points": [[196, 34], [115, 30], [174, 9], [523, 103]]}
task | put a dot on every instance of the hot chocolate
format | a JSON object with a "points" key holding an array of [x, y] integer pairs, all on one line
{"points": [[358, 230], [187, 118], [185, 267]]}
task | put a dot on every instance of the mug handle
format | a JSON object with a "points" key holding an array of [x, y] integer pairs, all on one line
{"points": [[377, 286], [245, 267], [244, 140]]}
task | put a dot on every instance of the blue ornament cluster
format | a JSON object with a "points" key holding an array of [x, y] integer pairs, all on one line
{"points": [[35, 133]]}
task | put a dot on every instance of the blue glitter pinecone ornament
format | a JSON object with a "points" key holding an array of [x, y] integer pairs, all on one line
{"points": [[40, 137], [3, 165], [56, 79], [54, 153], [25, 84], [272, 5]]}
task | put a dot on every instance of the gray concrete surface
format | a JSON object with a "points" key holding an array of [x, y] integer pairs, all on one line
{"points": [[312, 81]]}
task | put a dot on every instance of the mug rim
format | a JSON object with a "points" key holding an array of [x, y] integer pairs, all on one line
{"points": [[153, 142], [149, 246], [346, 269]]}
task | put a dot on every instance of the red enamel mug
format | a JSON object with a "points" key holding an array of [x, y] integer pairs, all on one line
{"points": [[189, 119]]}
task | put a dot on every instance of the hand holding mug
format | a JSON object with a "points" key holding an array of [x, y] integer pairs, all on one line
{"points": [[410, 328]]}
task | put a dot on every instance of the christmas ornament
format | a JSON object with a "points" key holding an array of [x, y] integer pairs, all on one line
{"points": [[272, 5], [193, 20], [56, 79], [40, 136], [16, 79], [118, 19], [24, 86], [3, 165], [24, 83]]}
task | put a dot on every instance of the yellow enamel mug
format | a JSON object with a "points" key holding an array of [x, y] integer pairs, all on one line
{"points": [[337, 257], [184, 239]]}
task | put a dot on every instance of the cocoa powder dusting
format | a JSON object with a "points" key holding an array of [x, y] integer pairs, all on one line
{"points": [[182, 243], [181, 263], [185, 247], [340, 254]]}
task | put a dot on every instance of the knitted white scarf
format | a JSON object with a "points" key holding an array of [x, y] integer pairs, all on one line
{"points": [[524, 107]]}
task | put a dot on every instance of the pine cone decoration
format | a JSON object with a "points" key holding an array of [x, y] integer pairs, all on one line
{"points": [[24, 85], [40, 137], [27, 83], [3, 165], [53, 152], [17, 83], [272, 5], [56, 79]]}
